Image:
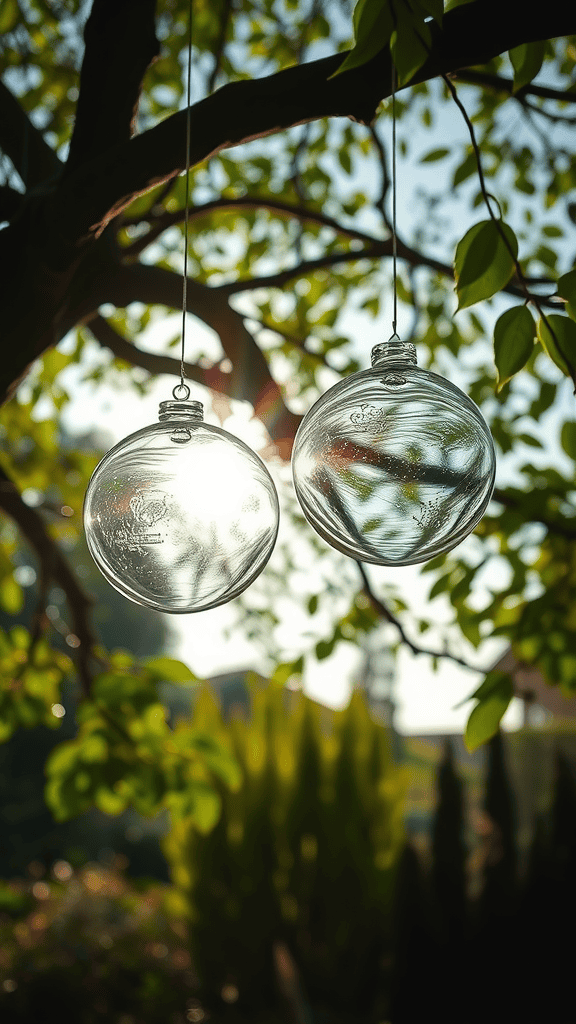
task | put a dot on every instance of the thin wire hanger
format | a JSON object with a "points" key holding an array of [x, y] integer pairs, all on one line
{"points": [[182, 392], [394, 239]]}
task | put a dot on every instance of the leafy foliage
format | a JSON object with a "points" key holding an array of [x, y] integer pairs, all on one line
{"points": [[126, 754], [289, 249]]}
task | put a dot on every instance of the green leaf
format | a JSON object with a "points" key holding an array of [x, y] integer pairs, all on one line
{"points": [[558, 339], [530, 440], [434, 154], [483, 263], [492, 683], [493, 696], [441, 584], [452, 4], [465, 170], [410, 42], [283, 672], [171, 671], [568, 438], [11, 596], [198, 803], [324, 649], [526, 60], [514, 336], [373, 26], [567, 291], [9, 16], [345, 161]]}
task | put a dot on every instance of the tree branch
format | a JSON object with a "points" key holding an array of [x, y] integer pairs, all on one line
{"points": [[110, 85], [107, 336], [289, 210], [250, 379], [54, 566], [59, 228], [471, 34], [293, 339], [34, 160], [376, 250]]}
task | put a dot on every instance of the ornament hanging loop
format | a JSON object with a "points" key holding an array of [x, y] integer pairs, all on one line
{"points": [[181, 392]]}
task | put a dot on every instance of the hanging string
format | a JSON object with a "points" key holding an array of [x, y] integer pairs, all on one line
{"points": [[182, 391], [394, 243]]}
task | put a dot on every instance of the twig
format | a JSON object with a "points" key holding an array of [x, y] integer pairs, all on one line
{"points": [[380, 203], [389, 616], [530, 297], [293, 339], [554, 118], [169, 218], [376, 250], [54, 566], [500, 84]]}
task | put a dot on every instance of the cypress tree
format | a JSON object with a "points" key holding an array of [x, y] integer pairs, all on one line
{"points": [[448, 877], [562, 903], [497, 936], [449, 848], [416, 993], [299, 868]]}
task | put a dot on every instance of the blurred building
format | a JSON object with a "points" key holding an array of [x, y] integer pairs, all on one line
{"points": [[377, 677]]}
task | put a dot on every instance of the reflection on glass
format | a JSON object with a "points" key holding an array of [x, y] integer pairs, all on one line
{"points": [[394, 465], [181, 516]]}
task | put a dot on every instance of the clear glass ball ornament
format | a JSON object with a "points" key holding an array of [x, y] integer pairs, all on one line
{"points": [[394, 465], [181, 516]]}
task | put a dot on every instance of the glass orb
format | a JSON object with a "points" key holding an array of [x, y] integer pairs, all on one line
{"points": [[394, 465], [181, 516]]}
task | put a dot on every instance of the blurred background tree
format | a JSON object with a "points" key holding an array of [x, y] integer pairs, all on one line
{"points": [[301, 860], [263, 924]]}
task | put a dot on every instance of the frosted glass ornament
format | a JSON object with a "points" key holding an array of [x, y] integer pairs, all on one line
{"points": [[395, 464], [181, 516]]}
